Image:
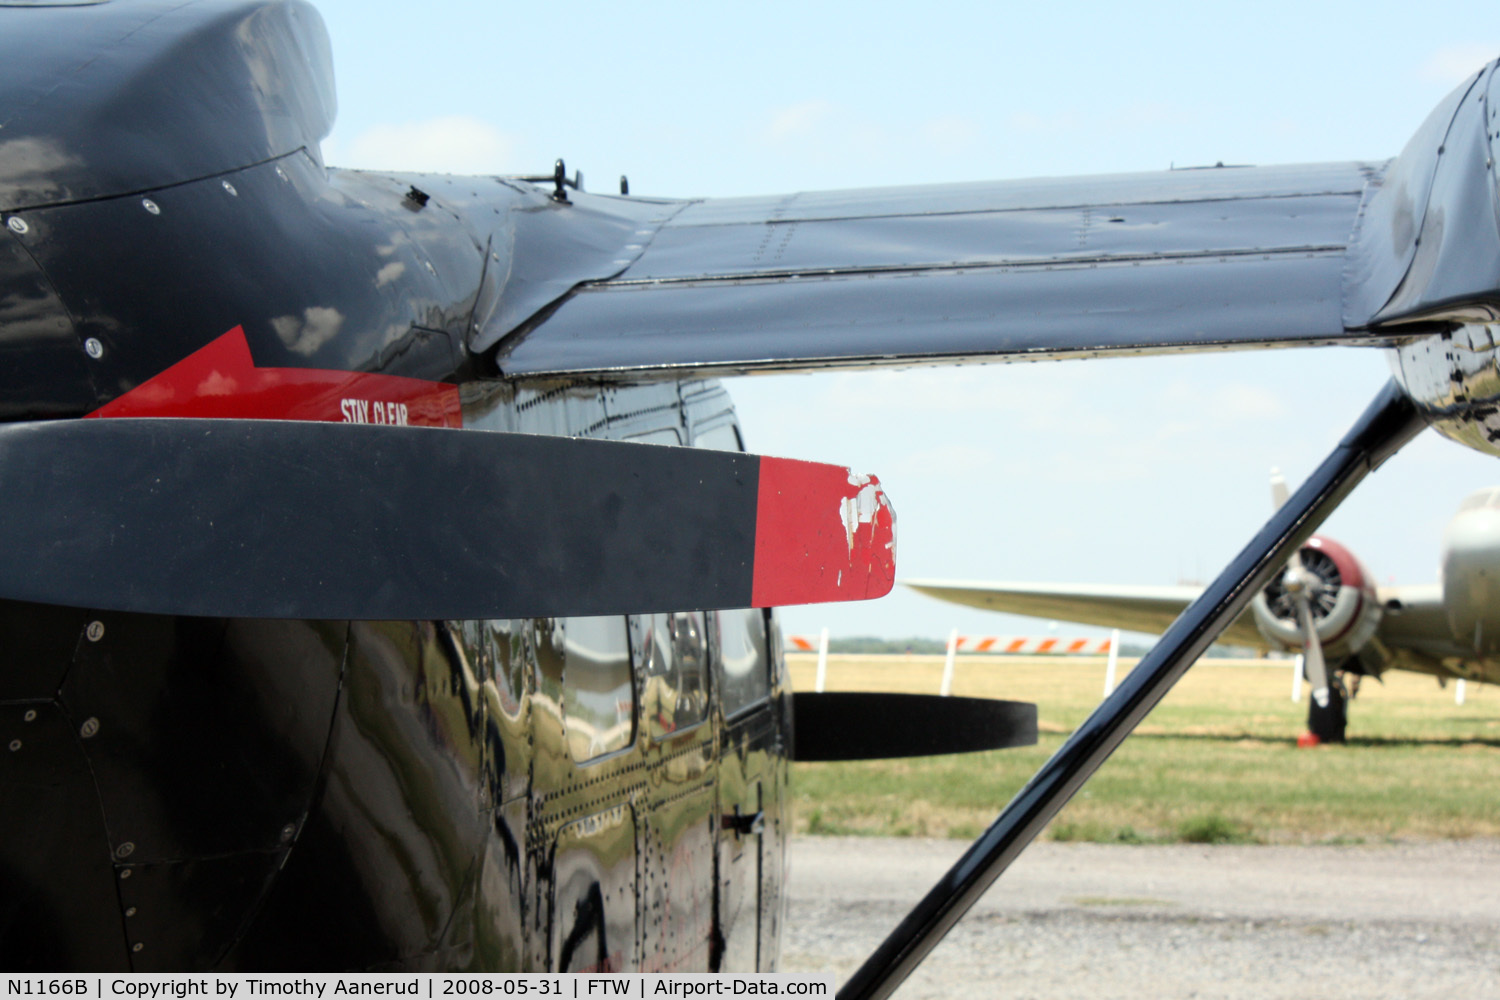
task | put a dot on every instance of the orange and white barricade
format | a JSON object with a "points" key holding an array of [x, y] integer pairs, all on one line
{"points": [[1034, 645]]}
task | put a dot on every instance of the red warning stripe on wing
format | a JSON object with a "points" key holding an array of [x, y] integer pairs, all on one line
{"points": [[220, 380], [821, 534]]}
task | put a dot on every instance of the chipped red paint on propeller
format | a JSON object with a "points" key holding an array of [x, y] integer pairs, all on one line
{"points": [[221, 380], [822, 534]]}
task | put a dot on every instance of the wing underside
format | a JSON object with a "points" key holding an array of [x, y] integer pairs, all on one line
{"points": [[1416, 630], [1183, 260]]}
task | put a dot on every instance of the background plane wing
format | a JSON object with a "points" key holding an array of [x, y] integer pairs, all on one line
{"points": [[1134, 608], [1415, 627], [1178, 260]]}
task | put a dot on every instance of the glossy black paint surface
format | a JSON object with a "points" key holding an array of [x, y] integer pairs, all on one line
{"points": [[320, 275], [57, 882], [98, 101], [1389, 423], [393, 845], [42, 369], [155, 784], [332, 270]]}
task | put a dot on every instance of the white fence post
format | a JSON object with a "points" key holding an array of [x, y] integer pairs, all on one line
{"points": [[822, 660], [947, 687], [1114, 660]]}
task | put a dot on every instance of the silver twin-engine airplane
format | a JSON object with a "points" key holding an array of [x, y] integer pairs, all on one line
{"points": [[1325, 604], [383, 584]]}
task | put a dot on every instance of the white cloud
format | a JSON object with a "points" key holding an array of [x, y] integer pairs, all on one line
{"points": [[1227, 402], [944, 460], [455, 144], [797, 121], [317, 326], [821, 132], [389, 273], [951, 134], [1453, 64], [1027, 121]]}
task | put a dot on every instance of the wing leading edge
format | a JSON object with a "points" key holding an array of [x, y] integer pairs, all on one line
{"points": [[1418, 638], [1133, 608]]}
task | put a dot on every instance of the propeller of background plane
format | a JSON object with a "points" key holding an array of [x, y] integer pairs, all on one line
{"points": [[1302, 585]]}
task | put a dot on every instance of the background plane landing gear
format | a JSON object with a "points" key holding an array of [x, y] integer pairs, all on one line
{"points": [[1326, 724]]}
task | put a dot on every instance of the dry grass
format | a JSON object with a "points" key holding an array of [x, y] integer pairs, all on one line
{"points": [[1216, 761]]}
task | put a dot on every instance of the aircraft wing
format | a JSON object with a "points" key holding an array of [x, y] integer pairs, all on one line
{"points": [[1221, 257], [1134, 608], [1415, 627], [1198, 259], [1179, 260]]}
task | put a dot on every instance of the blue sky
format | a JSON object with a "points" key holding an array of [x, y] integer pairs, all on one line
{"points": [[1146, 470]]}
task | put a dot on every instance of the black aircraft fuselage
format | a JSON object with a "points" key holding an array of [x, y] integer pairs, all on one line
{"points": [[209, 793]]}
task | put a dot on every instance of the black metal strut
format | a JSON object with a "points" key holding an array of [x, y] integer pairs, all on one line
{"points": [[1388, 424]]}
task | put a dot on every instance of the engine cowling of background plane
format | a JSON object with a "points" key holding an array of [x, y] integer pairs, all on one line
{"points": [[1471, 591], [1345, 627]]}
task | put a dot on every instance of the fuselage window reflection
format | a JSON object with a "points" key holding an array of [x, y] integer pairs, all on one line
{"points": [[673, 650], [662, 435], [745, 677], [598, 697], [719, 437]]}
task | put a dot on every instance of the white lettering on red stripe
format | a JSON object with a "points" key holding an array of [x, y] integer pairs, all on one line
{"points": [[373, 411]]}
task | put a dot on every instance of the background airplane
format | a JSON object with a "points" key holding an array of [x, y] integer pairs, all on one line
{"points": [[1351, 627]]}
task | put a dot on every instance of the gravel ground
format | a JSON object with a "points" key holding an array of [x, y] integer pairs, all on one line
{"points": [[1100, 922]]}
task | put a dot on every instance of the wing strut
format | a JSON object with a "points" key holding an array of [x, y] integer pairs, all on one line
{"points": [[1389, 423]]}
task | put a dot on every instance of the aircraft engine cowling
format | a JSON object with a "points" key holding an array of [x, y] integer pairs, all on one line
{"points": [[1471, 585], [1345, 610]]}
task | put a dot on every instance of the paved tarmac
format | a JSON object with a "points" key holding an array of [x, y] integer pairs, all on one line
{"points": [[1408, 920]]}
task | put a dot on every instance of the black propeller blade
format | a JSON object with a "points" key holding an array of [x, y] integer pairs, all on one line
{"points": [[288, 519], [1390, 422]]}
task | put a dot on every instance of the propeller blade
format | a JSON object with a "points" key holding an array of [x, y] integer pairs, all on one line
{"points": [[1390, 422], [1278, 500], [289, 519], [1279, 491], [1312, 650], [865, 725]]}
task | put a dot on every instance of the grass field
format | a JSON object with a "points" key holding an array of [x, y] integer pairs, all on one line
{"points": [[1216, 761]]}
